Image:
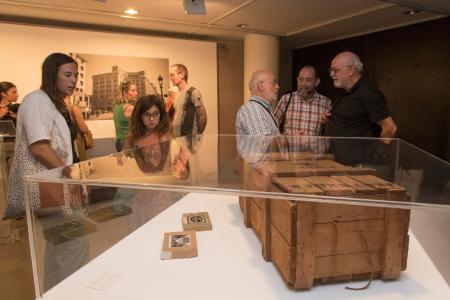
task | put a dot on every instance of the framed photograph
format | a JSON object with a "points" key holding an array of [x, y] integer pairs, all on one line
{"points": [[199, 221], [179, 245]]}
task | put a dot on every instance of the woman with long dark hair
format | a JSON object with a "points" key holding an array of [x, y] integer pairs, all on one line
{"points": [[45, 138], [149, 123]]}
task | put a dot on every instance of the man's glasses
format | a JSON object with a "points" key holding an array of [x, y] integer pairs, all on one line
{"points": [[337, 70], [148, 116]]}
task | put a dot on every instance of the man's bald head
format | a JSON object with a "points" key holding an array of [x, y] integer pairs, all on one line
{"points": [[345, 70], [264, 84], [350, 59]]}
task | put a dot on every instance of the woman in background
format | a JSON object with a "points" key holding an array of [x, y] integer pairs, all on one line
{"points": [[122, 110], [82, 127], [8, 97]]}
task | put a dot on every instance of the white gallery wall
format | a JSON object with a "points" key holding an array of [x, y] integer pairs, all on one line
{"points": [[25, 47]]}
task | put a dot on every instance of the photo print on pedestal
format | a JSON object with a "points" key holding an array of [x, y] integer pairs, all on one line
{"points": [[179, 245], [198, 221]]}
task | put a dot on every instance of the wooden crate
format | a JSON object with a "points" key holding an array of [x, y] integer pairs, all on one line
{"points": [[320, 242], [313, 242]]}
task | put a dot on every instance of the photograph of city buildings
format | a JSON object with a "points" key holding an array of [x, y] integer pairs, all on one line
{"points": [[100, 76]]}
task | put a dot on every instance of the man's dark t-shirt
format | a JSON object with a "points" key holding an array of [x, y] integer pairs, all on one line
{"points": [[355, 113]]}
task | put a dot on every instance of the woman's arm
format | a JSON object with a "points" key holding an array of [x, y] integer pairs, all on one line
{"points": [[79, 119], [44, 153]]}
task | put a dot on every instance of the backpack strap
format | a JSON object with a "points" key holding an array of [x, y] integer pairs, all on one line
{"points": [[189, 112]]}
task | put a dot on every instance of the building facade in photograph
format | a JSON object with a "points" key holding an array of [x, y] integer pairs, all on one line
{"points": [[105, 86]]}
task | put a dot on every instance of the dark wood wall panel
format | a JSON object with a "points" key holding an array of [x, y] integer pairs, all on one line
{"points": [[411, 65]]}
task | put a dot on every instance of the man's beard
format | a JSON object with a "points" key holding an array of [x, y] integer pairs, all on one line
{"points": [[305, 94]]}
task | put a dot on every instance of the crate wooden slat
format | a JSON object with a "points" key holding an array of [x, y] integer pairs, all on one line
{"points": [[349, 239], [316, 167], [379, 183], [292, 156], [331, 186], [361, 188]]}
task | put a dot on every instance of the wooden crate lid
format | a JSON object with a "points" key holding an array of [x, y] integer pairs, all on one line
{"points": [[296, 185], [381, 185], [360, 188], [299, 156], [331, 186], [316, 167]]}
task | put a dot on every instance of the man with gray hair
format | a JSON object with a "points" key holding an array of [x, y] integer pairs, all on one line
{"points": [[255, 117], [361, 110]]}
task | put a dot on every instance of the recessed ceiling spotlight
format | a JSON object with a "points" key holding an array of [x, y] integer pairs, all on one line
{"points": [[412, 12], [242, 26], [131, 11]]}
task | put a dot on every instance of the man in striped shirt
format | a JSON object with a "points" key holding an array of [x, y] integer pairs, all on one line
{"points": [[255, 117], [304, 110]]}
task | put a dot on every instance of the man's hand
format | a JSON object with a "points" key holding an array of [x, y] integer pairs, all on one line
{"points": [[325, 117]]}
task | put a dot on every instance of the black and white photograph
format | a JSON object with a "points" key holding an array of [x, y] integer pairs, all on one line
{"points": [[101, 75], [179, 240]]}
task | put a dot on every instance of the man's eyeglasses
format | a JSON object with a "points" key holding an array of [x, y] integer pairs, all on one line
{"points": [[148, 116], [337, 70]]}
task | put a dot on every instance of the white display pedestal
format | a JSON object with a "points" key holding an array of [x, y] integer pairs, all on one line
{"points": [[229, 266]]}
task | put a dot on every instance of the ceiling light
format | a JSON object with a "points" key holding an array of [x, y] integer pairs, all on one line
{"points": [[131, 11], [412, 12], [194, 7], [242, 26]]}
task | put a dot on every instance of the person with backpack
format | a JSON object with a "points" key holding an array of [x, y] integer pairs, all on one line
{"points": [[190, 114]]}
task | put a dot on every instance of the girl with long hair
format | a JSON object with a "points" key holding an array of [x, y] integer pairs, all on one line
{"points": [[149, 123]]}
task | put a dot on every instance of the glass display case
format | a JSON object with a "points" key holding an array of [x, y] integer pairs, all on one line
{"points": [[288, 217]]}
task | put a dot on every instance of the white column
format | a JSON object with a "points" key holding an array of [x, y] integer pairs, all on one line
{"points": [[260, 52]]}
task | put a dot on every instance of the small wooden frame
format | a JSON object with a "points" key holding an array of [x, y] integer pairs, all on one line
{"points": [[199, 221], [181, 244]]}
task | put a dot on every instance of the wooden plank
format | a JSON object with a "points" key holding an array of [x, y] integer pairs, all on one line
{"points": [[282, 255], [258, 181], [283, 216], [326, 213], [260, 221], [355, 263], [308, 167], [305, 254], [345, 237], [244, 201], [331, 186], [394, 243], [378, 183], [405, 251], [296, 185], [360, 188], [299, 156], [244, 205]]}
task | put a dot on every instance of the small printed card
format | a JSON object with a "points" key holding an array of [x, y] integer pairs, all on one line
{"points": [[179, 245], [198, 221]]}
